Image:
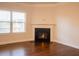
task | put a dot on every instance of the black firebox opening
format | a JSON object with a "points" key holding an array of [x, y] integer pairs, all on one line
{"points": [[42, 35]]}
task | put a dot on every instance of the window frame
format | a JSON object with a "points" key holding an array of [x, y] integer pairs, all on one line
{"points": [[11, 21]]}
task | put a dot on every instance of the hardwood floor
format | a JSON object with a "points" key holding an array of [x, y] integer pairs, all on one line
{"points": [[31, 49]]}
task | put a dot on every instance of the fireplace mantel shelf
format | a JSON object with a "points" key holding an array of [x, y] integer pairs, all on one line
{"points": [[43, 24]]}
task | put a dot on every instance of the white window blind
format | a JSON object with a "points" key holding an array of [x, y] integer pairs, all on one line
{"points": [[4, 21], [11, 21], [18, 20]]}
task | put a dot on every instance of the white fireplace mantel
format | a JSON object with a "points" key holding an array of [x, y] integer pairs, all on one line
{"points": [[51, 26]]}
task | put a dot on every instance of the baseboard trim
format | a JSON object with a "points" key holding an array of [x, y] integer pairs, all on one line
{"points": [[67, 44], [11, 42]]}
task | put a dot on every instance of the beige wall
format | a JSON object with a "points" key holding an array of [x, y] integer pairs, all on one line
{"points": [[43, 14], [68, 24], [16, 37]]}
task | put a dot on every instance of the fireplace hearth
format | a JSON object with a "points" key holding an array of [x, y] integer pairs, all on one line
{"points": [[42, 35]]}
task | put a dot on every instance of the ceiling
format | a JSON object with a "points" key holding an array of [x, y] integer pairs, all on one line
{"points": [[39, 2]]}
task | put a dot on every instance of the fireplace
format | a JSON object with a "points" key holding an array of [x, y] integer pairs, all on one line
{"points": [[42, 35]]}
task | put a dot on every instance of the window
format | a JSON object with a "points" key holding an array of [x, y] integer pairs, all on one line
{"points": [[11, 21], [4, 21], [18, 20]]}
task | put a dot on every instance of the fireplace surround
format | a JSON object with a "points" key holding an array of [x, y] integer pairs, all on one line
{"points": [[44, 26]]}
